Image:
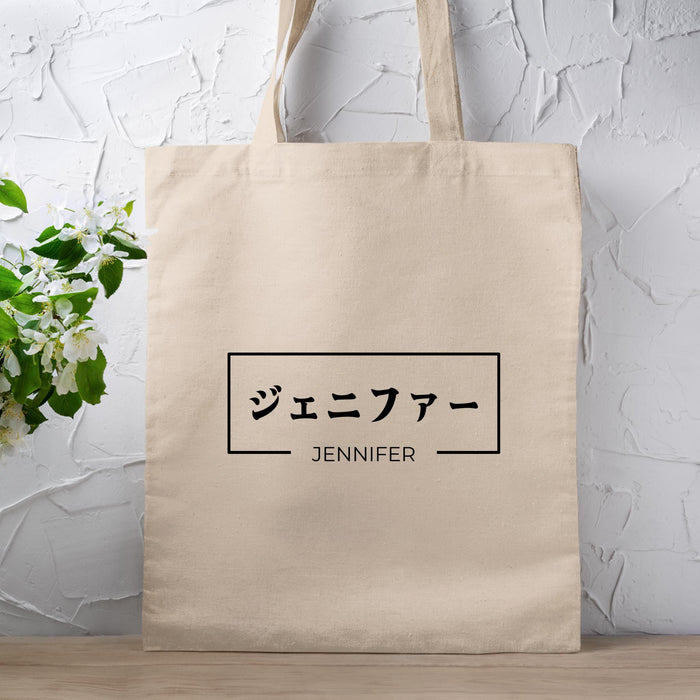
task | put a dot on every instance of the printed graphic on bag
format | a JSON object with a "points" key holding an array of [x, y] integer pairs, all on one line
{"points": [[364, 407]]}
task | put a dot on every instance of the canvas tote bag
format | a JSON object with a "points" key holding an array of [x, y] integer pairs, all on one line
{"points": [[361, 387]]}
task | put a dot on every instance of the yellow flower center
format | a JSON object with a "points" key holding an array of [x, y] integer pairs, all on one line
{"points": [[80, 338]]}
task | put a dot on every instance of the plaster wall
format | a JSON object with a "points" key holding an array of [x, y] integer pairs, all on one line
{"points": [[85, 85]]}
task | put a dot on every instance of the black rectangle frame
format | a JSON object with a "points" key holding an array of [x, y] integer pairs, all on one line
{"points": [[497, 355]]}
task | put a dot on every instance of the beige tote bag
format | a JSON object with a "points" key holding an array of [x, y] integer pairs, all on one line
{"points": [[361, 387]]}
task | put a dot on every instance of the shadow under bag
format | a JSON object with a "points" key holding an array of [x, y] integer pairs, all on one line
{"points": [[361, 387]]}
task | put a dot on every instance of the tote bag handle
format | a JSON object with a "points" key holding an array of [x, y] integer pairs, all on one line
{"points": [[437, 60]]}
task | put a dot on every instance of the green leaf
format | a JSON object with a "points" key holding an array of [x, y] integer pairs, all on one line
{"points": [[56, 249], [133, 251], [8, 327], [29, 379], [67, 253], [41, 396], [34, 417], [129, 207], [47, 233], [81, 301], [79, 276], [88, 377], [71, 260], [11, 195], [24, 269], [110, 274], [67, 404], [9, 284], [26, 304]]}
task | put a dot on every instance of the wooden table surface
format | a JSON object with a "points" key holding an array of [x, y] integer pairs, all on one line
{"points": [[116, 667]]}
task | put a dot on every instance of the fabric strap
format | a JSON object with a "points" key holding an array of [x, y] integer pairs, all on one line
{"points": [[437, 60]]}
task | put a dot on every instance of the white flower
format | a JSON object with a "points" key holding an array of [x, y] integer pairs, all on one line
{"points": [[67, 321], [13, 427], [104, 256], [38, 340], [38, 276], [40, 343], [62, 306], [112, 214], [5, 173], [46, 319], [64, 381], [4, 383], [57, 212], [88, 239], [57, 286], [88, 219], [64, 286], [80, 343], [85, 229], [10, 361], [47, 356]]}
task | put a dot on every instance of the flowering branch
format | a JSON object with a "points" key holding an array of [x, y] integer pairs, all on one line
{"points": [[50, 350]]}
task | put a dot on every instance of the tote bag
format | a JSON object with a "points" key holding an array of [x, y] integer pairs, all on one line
{"points": [[361, 387]]}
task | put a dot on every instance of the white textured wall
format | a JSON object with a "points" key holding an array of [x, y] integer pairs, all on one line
{"points": [[86, 84]]}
